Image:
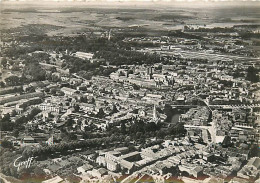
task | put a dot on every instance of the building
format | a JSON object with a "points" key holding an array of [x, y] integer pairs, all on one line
{"points": [[196, 116], [251, 170], [28, 141], [50, 107], [68, 91], [84, 55], [194, 171], [20, 97], [84, 168]]}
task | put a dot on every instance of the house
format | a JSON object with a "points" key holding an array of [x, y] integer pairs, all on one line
{"points": [[209, 157], [50, 107], [20, 97], [254, 163], [84, 55], [251, 169], [99, 173], [126, 166], [133, 156], [28, 140], [112, 155], [111, 165], [165, 167], [194, 171], [68, 91], [122, 150], [84, 168]]}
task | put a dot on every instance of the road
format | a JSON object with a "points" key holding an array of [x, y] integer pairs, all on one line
{"points": [[2, 178]]}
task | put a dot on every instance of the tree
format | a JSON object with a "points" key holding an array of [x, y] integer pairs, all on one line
{"points": [[6, 126], [92, 101], [21, 120], [72, 136], [123, 128], [53, 69], [2, 84], [84, 99], [177, 129], [69, 122], [14, 113], [226, 142], [7, 144], [76, 107], [16, 133], [136, 87], [34, 70], [151, 127], [6, 117], [160, 134], [38, 172], [100, 113], [5, 123], [138, 135], [237, 74], [131, 148], [252, 74], [114, 110], [12, 80], [170, 112], [4, 62], [15, 67], [35, 111]]}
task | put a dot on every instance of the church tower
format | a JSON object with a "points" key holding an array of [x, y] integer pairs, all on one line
{"points": [[155, 117], [109, 35]]}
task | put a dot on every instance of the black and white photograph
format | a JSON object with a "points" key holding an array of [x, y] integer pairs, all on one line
{"points": [[129, 91]]}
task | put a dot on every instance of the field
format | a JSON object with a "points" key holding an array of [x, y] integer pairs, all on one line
{"points": [[86, 17]]}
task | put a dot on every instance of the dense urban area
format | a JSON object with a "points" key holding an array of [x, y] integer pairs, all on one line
{"points": [[130, 105]]}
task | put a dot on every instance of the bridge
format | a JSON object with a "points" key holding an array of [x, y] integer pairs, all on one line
{"points": [[218, 106], [192, 106], [236, 106]]}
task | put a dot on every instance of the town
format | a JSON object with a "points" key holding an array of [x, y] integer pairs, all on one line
{"points": [[107, 107]]}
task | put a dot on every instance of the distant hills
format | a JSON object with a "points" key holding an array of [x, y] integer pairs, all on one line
{"points": [[189, 1]]}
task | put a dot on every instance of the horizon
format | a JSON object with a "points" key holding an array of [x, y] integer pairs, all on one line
{"points": [[146, 4]]}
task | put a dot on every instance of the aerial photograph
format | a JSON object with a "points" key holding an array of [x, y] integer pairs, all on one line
{"points": [[129, 91]]}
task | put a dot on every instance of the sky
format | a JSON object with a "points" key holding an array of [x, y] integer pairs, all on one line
{"points": [[133, 3], [129, 0]]}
